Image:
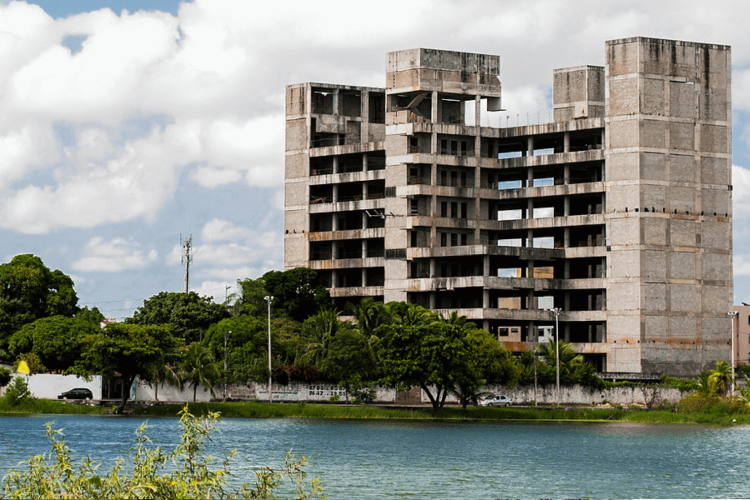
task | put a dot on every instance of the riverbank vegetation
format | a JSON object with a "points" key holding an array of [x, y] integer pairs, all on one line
{"points": [[713, 416], [185, 472], [188, 340]]}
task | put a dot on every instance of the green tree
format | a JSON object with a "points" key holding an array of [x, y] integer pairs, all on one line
{"points": [[93, 315], [720, 378], [17, 391], [5, 377], [434, 357], [130, 350], [317, 332], [296, 292], [32, 361], [55, 340], [348, 356], [188, 315], [250, 300], [199, 368], [29, 290]]}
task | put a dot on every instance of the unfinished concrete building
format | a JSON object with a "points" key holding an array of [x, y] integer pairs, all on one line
{"points": [[616, 215]]}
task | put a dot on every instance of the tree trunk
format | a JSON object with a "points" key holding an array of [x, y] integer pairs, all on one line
{"points": [[434, 402], [156, 390], [127, 383], [195, 389]]}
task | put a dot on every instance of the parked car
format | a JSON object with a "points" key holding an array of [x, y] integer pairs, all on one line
{"points": [[77, 393], [496, 401]]}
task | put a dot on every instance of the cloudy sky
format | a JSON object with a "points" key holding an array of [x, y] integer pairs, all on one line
{"points": [[126, 124]]}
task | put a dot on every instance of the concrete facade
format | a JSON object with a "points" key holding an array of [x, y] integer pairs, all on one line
{"points": [[618, 212], [742, 335]]}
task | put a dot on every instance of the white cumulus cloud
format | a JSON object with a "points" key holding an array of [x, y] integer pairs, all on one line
{"points": [[113, 256]]}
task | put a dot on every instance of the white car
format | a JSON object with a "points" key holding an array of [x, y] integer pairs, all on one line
{"points": [[496, 401]]}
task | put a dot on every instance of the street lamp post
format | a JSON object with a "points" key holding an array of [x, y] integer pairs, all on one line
{"points": [[269, 298], [557, 310], [225, 363], [732, 315]]}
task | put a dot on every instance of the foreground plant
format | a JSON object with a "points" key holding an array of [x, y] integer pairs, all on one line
{"points": [[186, 472]]}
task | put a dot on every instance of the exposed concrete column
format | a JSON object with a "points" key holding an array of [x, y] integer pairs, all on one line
{"points": [[335, 164], [494, 149], [485, 299], [566, 142], [364, 114], [486, 270], [364, 220], [335, 193], [566, 174], [336, 102], [530, 272], [433, 301], [364, 249], [530, 238], [432, 268], [477, 113], [364, 162], [566, 206], [566, 269], [566, 330], [530, 177], [566, 301], [364, 277], [334, 278], [437, 107], [530, 146], [486, 325], [334, 223], [365, 190]]}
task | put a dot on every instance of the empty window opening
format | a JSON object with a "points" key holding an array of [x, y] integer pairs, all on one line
{"points": [[544, 212], [544, 242], [509, 185], [510, 242], [510, 214], [545, 181]]}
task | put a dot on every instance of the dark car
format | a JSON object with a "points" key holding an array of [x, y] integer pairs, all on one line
{"points": [[78, 393]]}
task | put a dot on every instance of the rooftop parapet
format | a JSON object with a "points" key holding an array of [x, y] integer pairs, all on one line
{"points": [[459, 73]]}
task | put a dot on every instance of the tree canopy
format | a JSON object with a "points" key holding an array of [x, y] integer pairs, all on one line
{"points": [[433, 355], [188, 315], [55, 340], [129, 350], [29, 290]]}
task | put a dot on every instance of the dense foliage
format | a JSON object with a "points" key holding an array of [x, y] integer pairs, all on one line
{"points": [[187, 315], [29, 291]]}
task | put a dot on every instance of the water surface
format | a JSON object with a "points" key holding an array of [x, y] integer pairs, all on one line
{"points": [[387, 459]]}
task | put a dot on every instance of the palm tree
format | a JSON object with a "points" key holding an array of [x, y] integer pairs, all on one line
{"points": [[569, 360], [167, 374], [460, 321], [720, 378], [316, 335], [199, 368]]}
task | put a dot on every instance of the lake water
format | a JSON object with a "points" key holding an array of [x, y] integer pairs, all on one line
{"points": [[375, 460]]}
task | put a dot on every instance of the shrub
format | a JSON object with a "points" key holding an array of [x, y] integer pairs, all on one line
{"points": [[5, 377], [17, 391], [186, 472]]}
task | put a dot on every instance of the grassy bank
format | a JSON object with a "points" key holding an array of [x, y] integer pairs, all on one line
{"points": [[45, 406], [264, 410]]}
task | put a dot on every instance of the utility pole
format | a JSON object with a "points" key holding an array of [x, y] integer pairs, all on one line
{"points": [[187, 259], [732, 315], [269, 298]]}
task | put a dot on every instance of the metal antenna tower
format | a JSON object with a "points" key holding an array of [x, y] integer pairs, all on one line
{"points": [[187, 259]]}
